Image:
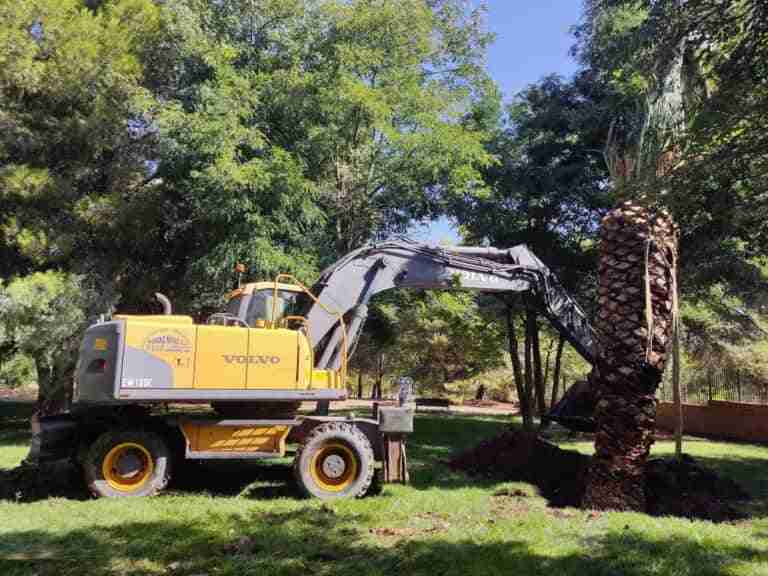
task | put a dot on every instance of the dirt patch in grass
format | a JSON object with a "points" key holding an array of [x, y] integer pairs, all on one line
{"points": [[30, 483], [673, 488], [686, 488], [559, 474]]}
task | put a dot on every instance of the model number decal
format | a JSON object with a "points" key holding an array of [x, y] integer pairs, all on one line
{"points": [[137, 382], [478, 277], [243, 359]]}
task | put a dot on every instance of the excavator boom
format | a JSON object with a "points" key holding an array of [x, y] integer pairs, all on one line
{"points": [[348, 285]]}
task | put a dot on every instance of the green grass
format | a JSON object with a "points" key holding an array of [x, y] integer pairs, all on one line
{"points": [[14, 435], [250, 521]]}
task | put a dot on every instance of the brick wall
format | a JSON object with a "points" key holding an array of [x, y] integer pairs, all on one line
{"points": [[718, 419]]}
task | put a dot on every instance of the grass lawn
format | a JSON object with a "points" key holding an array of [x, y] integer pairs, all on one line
{"points": [[246, 519]]}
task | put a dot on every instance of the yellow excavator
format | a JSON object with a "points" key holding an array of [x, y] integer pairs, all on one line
{"points": [[275, 345]]}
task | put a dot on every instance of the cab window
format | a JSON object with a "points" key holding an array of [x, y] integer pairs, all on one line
{"points": [[260, 307]]}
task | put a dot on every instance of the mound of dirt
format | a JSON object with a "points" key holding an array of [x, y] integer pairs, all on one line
{"points": [[559, 474], [686, 488], [673, 488], [30, 483]]}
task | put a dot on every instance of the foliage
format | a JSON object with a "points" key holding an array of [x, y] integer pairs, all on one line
{"points": [[548, 189], [17, 371], [71, 91], [716, 185], [153, 145], [434, 337], [41, 318]]}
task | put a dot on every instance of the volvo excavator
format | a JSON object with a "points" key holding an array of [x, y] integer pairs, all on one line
{"points": [[276, 344]]}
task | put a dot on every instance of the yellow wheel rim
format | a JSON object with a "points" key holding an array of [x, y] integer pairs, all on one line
{"points": [[127, 466], [334, 467]]}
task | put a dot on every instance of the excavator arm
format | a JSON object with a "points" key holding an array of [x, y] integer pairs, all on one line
{"points": [[348, 285]]}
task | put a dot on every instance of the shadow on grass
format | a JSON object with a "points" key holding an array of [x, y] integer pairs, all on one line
{"points": [[14, 422], [261, 480], [320, 540]]}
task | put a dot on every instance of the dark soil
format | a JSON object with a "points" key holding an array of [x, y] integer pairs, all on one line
{"points": [[686, 488], [30, 483], [559, 474], [673, 488]]}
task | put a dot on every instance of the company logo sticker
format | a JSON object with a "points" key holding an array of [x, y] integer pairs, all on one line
{"points": [[167, 341]]}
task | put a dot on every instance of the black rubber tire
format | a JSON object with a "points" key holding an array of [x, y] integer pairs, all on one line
{"points": [[152, 442], [335, 433]]}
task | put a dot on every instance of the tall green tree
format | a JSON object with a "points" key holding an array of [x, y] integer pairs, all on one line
{"points": [[293, 132], [72, 165], [716, 191], [435, 337], [547, 190]]}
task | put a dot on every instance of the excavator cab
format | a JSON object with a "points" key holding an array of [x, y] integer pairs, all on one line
{"points": [[264, 304]]}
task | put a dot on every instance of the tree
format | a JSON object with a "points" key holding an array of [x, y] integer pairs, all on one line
{"points": [[345, 121], [547, 190], [371, 98], [71, 165], [716, 190], [436, 337], [43, 315], [637, 284]]}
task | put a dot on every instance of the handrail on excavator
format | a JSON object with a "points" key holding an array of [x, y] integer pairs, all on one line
{"points": [[337, 315]]}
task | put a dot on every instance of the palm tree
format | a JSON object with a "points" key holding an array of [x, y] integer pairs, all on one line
{"points": [[637, 295]]}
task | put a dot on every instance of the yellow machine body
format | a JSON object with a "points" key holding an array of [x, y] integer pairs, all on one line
{"points": [[169, 357], [236, 439], [223, 357]]}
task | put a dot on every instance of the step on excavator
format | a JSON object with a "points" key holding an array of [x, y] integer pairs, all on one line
{"points": [[275, 345]]}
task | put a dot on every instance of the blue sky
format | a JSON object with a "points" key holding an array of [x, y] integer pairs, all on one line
{"points": [[532, 41]]}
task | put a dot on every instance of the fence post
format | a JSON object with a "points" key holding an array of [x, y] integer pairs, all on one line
{"points": [[709, 381], [738, 383]]}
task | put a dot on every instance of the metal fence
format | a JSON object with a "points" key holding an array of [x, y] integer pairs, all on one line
{"points": [[729, 384]]}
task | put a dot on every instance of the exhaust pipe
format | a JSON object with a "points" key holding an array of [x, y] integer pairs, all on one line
{"points": [[163, 299]]}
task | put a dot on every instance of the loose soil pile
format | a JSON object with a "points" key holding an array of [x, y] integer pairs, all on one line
{"points": [[672, 488], [30, 483]]}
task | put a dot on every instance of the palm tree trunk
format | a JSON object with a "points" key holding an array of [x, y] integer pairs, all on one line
{"points": [[634, 328]]}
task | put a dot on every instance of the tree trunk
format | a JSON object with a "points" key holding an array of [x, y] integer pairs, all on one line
{"points": [[376, 392], [634, 328], [517, 371], [529, 384], [360, 384], [538, 374], [556, 371], [547, 362], [55, 380]]}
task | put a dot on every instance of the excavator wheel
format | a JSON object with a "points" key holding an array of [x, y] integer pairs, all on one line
{"points": [[334, 461], [127, 462]]}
